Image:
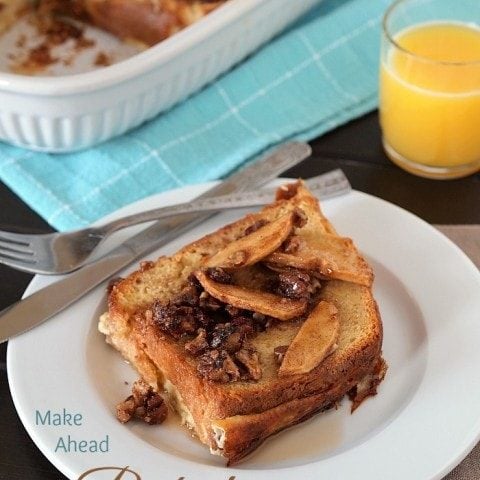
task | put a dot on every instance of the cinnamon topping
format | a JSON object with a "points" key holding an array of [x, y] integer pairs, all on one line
{"points": [[143, 404], [217, 333], [218, 366]]}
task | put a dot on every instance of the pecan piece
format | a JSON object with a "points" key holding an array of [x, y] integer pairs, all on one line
{"points": [[219, 275], [199, 344], [218, 366], [175, 320], [227, 337], [294, 284], [208, 302], [144, 404], [126, 410], [189, 295], [248, 357], [244, 325]]}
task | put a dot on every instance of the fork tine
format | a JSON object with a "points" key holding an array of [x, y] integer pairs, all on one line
{"points": [[17, 238], [13, 257], [18, 265], [15, 248]]}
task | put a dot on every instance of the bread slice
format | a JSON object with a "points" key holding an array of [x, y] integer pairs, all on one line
{"points": [[233, 418]]}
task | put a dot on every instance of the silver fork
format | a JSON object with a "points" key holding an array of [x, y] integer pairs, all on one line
{"points": [[58, 253]]}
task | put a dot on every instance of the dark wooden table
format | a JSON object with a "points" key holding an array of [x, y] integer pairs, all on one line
{"points": [[355, 148]]}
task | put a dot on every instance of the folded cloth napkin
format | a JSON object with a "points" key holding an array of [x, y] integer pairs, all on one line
{"points": [[320, 73]]}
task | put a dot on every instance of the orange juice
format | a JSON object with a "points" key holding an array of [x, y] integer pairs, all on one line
{"points": [[430, 95]]}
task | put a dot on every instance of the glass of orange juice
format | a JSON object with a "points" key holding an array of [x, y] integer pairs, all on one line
{"points": [[430, 86]]}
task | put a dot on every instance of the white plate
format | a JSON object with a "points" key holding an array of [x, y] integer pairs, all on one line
{"points": [[422, 423]]}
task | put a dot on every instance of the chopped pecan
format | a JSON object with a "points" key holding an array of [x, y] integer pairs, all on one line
{"points": [[154, 411], [248, 357], [140, 391], [192, 280], [203, 318], [218, 366], [294, 284], [215, 329], [189, 295], [126, 410], [227, 337], [243, 324], [175, 320], [219, 275], [144, 404], [199, 344], [209, 302]]}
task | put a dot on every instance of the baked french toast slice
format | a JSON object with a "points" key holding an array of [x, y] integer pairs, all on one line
{"points": [[219, 364], [145, 21]]}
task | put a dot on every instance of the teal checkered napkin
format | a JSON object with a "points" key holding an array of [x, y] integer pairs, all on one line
{"points": [[319, 74]]}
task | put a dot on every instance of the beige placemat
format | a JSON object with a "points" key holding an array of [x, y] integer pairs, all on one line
{"points": [[467, 237]]}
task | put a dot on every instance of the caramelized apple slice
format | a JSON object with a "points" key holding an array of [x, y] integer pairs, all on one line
{"points": [[330, 256], [315, 340], [253, 300], [252, 248]]}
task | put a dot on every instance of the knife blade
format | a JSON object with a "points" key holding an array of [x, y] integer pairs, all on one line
{"points": [[47, 302]]}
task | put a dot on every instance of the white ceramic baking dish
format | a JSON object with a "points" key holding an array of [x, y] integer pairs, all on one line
{"points": [[62, 114]]}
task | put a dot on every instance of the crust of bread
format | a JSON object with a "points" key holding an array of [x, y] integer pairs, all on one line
{"points": [[242, 434], [246, 412]]}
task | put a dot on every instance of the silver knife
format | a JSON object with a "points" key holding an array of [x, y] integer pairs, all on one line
{"points": [[45, 303]]}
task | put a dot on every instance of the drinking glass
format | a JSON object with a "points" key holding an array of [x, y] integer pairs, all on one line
{"points": [[430, 86]]}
